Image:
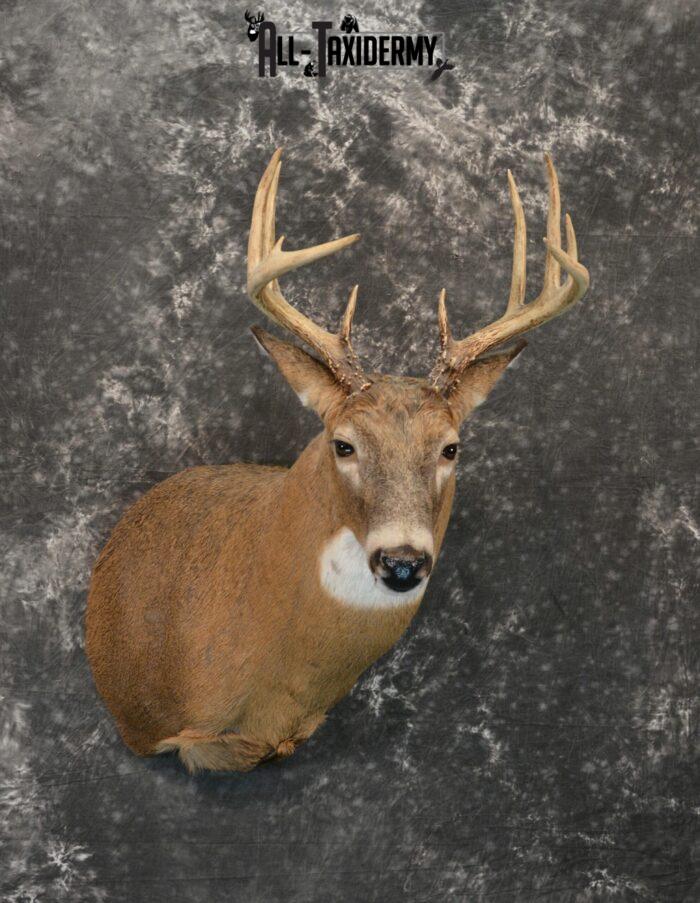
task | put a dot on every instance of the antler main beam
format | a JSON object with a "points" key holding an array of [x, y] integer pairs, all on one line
{"points": [[267, 262], [553, 300]]}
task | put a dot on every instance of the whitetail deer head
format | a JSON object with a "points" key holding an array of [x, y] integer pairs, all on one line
{"points": [[394, 440], [254, 23]]}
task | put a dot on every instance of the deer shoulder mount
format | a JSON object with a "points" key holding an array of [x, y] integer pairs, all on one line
{"points": [[234, 605]]}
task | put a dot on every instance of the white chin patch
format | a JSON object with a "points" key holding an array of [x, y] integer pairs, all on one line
{"points": [[344, 573]]}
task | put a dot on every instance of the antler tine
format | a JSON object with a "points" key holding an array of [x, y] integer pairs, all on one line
{"points": [[346, 325], [577, 284], [443, 323], [267, 262], [551, 265], [516, 298], [519, 317]]}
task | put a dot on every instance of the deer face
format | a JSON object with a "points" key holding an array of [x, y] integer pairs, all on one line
{"points": [[390, 441], [391, 451]]}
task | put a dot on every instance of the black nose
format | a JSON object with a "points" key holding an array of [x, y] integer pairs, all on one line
{"points": [[401, 569]]}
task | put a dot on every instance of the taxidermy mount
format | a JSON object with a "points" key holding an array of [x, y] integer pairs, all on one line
{"points": [[234, 605]]}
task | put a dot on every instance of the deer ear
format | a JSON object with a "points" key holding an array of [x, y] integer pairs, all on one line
{"points": [[312, 381], [478, 379]]}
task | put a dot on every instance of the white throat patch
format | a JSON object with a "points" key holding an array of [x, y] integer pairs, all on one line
{"points": [[345, 574]]}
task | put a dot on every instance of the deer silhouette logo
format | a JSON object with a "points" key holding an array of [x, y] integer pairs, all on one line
{"points": [[349, 25], [254, 25]]}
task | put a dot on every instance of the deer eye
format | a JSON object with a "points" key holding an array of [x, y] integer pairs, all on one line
{"points": [[343, 449], [450, 451]]}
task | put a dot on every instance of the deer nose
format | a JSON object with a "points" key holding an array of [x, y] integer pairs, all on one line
{"points": [[401, 569]]}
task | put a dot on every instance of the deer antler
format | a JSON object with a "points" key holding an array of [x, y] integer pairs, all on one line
{"points": [[267, 262], [554, 299]]}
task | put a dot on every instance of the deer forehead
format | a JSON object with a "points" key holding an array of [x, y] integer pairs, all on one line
{"points": [[375, 424]]}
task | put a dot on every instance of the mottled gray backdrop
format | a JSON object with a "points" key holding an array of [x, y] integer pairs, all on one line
{"points": [[532, 735]]}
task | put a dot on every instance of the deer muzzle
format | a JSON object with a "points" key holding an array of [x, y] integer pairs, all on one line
{"points": [[401, 569]]}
